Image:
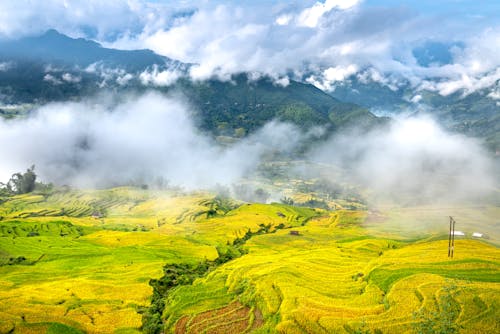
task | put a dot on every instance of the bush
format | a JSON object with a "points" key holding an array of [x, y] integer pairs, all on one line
{"points": [[441, 321]]}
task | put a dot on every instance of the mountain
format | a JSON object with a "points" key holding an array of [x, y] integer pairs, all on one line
{"points": [[54, 67], [242, 106], [58, 49], [474, 114]]}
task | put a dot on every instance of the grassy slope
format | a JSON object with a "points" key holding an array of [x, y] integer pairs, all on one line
{"points": [[91, 273], [337, 276]]}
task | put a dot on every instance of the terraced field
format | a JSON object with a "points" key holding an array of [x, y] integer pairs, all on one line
{"points": [[335, 278], [81, 261], [84, 258]]}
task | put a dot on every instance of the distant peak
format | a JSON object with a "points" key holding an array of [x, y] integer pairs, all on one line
{"points": [[53, 32], [54, 36]]}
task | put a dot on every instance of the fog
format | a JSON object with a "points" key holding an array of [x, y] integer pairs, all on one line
{"points": [[412, 159], [151, 138], [141, 140]]}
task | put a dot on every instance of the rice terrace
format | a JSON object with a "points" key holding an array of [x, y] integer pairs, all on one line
{"points": [[66, 269], [249, 167]]}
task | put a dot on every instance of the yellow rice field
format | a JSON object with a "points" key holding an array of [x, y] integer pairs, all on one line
{"points": [[88, 257]]}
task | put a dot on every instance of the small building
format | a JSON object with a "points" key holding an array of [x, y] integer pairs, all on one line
{"points": [[459, 233], [479, 235], [293, 232], [97, 215]]}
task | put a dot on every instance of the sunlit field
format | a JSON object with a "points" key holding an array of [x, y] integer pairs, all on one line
{"points": [[81, 261], [334, 277]]}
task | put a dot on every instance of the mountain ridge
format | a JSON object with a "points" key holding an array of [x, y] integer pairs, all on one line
{"points": [[54, 67], [53, 46]]}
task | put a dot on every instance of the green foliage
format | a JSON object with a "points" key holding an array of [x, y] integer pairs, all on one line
{"points": [[287, 200], [385, 278], [249, 194], [15, 260], [217, 206], [300, 113], [242, 106], [55, 228], [442, 320], [177, 274], [315, 203], [57, 328], [22, 183], [362, 329]]}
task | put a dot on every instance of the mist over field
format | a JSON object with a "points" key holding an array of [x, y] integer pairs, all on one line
{"points": [[412, 157], [90, 144], [153, 139]]}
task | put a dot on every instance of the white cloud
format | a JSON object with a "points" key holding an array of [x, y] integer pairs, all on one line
{"points": [[141, 139], [331, 75], [412, 157], [283, 81], [310, 17], [101, 20], [158, 77], [124, 79], [109, 74], [416, 99], [70, 78], [284, 19], [464, 82], [52, 79], [495, 93], [5, 66], [323, 40]]}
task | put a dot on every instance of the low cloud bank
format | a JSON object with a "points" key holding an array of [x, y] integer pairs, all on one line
{"points": [[412, 158], [99, 143], [140, 140]]}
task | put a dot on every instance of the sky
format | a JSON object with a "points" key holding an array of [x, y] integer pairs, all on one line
{"points": [[320, 42]]}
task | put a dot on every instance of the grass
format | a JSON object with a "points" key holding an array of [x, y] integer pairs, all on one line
{"points": [[81, 261]]}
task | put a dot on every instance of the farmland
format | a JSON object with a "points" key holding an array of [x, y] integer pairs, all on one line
{"points": [[76, 261]]}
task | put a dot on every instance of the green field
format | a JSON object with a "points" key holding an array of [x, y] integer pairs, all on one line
{"points": [[81, 261]]}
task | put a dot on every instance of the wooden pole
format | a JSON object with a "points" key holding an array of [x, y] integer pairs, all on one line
{"points": [[449, 239]]}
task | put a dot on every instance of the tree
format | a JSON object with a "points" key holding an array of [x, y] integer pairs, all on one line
{"points": [[287, 200], [22, 183], [261, 196]]}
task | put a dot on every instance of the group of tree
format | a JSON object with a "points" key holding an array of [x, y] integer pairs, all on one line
{"points": [[22, 183]]}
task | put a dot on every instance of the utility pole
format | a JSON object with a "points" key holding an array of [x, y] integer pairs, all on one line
{"points": [[451, 238]]}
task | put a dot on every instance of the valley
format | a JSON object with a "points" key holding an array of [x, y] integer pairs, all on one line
{"points": [[76, 260], [249, 167]]}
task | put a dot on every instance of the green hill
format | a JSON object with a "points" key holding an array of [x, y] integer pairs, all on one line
{"points": [[242, 106]]}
